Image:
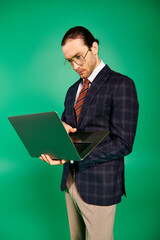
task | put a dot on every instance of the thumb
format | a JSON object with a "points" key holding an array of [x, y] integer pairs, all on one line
{"points": [[72, 130]]}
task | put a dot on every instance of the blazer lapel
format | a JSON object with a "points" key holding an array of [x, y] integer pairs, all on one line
{"points": [[72, 101], [102, 76]]}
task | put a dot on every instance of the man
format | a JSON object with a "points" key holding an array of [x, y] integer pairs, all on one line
{"points": [[95, 185]]}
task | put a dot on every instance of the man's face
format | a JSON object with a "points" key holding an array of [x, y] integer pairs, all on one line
{"points": [[76, 47]]}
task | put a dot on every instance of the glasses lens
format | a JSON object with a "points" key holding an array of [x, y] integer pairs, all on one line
{"points": [[79, 60]]}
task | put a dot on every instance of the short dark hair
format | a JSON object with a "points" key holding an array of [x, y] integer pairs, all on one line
{"points": [[79, 32]]}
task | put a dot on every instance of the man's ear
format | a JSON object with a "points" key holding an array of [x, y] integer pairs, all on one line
{"points": [[94, 48]]}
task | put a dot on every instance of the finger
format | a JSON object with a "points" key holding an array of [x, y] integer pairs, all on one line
{"points": [[57, 162], [69, 128], [44, 158], [63, 161], [49, 160], [72, 130]]}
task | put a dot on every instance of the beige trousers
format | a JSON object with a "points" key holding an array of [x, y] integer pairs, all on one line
{"points": [[87, 221]]}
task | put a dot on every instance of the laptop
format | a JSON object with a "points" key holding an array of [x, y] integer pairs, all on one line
{"points": [[44, 133]]}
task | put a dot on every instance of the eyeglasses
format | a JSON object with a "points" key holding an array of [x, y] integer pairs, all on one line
{"points": [[79, 59]]}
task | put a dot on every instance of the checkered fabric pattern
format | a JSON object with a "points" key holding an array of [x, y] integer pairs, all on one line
{"points": [[111, 103]]}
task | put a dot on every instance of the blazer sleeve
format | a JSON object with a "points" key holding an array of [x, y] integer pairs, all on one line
{"points": [[63, 117], [122, 125]]}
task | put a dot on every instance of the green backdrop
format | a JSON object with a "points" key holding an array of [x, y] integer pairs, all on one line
{"points": [[33, 79]]}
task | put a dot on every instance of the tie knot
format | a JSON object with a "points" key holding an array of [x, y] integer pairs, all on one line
{"points": [[86, 81]]}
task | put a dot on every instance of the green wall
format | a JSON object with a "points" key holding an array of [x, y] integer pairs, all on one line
{"points": [[33, 79]]}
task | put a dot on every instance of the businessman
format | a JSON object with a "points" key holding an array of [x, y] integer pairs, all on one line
{"points": [[101, 99]]}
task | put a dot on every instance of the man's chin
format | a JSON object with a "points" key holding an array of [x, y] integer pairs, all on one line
{"points": [[83, 75]]}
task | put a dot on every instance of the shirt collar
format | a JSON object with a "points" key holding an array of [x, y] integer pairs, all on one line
{"points": [[96, 71]]}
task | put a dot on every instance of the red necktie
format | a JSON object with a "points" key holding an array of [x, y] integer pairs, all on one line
{"points": [[81, 98]]}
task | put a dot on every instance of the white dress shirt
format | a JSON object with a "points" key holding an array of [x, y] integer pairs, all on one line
{"points": [[90, 78]]}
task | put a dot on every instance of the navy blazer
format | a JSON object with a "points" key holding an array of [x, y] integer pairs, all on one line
{"points": [[111, 103]]}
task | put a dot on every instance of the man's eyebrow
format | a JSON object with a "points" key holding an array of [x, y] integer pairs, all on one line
{"points": [[74, 55]]}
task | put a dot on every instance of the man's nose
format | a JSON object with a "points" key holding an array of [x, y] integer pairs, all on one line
{"points": [[75, 65]]}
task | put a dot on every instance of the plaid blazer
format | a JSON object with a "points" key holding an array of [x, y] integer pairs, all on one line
{"points": [[111, 103]]}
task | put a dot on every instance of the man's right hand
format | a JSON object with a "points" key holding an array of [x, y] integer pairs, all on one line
{"points": [[68, 128]]}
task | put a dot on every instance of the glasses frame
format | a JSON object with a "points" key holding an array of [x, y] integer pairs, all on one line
{"points": [[71, 60]]}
